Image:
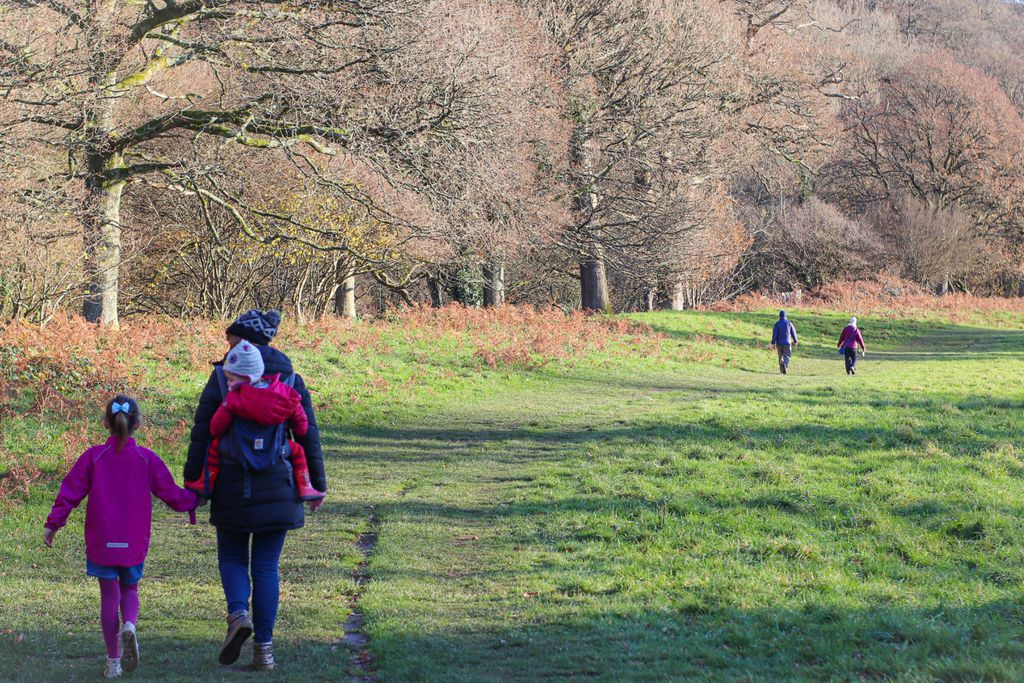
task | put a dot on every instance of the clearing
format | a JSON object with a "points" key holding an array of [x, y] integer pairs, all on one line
{"points": [[668, 509]]}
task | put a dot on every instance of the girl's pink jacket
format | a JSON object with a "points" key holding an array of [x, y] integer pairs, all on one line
{"points": [[120, 485]]}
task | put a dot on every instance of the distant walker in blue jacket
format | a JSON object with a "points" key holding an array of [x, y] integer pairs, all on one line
{"points": [[784, 339]]}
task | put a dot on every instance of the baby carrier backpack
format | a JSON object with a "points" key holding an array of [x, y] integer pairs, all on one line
{"points": [[256, 447]]}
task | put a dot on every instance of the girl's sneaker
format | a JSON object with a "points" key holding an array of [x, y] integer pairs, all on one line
{"points": [[239, 630], [263, 656], [129, 647], [113, 669]]}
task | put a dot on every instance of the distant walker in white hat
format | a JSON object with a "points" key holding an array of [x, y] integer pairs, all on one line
{"points": [[849, 340]]}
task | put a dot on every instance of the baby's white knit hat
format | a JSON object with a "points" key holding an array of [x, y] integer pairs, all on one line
{"points": [[245, 359]]}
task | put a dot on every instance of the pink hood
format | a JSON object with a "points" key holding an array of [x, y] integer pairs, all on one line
{"points": [[120, 486]]}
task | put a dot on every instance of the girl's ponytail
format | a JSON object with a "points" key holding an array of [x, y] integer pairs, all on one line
{"points": [[122, 418]]}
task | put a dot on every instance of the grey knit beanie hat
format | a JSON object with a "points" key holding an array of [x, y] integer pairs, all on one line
{"points": [[245, 359]]}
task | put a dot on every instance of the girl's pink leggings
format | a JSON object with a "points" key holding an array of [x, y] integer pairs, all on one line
{"points": [[115, 595]]}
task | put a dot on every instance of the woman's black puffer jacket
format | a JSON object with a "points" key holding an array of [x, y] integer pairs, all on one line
{"points": [[272, 504]]}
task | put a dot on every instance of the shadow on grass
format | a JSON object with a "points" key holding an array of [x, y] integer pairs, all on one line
{"points": [[700, 639], [972, 431], [641, 519], [40, 655], [597, 615], [689, 636]]}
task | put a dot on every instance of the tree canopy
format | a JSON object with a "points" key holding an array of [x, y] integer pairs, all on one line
{"points": [[202, 156]]}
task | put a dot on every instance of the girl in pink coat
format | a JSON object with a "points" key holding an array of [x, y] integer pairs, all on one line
{"points": [[120, 478]]}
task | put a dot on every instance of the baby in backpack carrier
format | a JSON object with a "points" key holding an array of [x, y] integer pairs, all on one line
{"points": [[265, 400]]}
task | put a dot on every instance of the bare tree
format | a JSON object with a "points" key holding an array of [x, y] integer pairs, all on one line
{"points": [[640, 80], [811, 244], [937, 246], [117, 89], [493, 185], [312, 240], [942, 133]]}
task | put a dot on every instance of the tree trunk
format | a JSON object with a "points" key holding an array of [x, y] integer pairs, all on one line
{"points": [[593, 282], [436, 293], [494, 284], [345, 295], [348, 290], [105, 185], [677, 298], [650, 297]]}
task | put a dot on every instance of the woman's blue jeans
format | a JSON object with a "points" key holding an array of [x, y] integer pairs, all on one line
{"points": [[235, 564]]}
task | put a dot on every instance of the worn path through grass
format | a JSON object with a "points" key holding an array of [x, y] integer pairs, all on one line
{"points": [[691, 515]]}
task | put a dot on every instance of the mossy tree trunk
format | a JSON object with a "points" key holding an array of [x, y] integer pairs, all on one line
{"points": [[102, 236], [103, 254]]}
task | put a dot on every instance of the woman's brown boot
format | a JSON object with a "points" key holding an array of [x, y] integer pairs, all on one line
{"points": [[263, 656], [239, 630]]}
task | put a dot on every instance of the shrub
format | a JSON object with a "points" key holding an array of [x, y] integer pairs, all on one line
{"points": [[881, 294], [813, 244]]}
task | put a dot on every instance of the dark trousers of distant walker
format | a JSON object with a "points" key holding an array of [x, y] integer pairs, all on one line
{"points": [[851, 361], [785, 351]]}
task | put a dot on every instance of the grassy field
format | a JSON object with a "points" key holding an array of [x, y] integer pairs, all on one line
{"points": [[657, 509]]}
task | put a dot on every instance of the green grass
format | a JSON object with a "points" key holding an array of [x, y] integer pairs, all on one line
{"points": [[691, 515]]}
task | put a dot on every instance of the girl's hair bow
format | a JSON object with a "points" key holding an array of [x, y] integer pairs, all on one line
{"points": [[116, 408]]}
